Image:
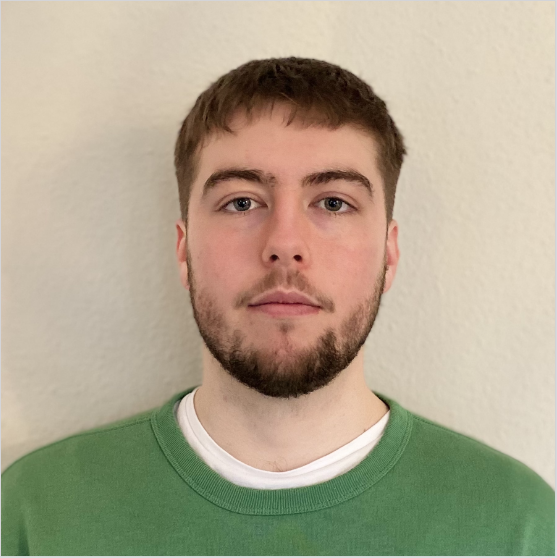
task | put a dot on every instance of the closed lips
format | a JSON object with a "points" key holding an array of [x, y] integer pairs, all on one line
{"points": [[281, 297]]}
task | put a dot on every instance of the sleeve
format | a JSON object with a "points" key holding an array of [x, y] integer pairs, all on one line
{"points": [[539, 524], [14, 535]]}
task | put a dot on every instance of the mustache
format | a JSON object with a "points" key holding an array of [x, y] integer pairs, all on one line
{"points": [[293, 281]]}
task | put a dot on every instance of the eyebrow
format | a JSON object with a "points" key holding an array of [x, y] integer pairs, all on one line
{"points": [[265, 179]]}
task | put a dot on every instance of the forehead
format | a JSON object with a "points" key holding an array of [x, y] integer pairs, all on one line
{"points": [[288, 152]]}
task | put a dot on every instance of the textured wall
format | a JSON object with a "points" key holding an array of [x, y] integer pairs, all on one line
{"points": [[96, 326]]}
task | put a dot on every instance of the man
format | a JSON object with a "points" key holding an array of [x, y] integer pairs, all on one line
{"points": [[287, 171]]}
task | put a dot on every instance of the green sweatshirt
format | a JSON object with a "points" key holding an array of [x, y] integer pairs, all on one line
{"points": [[136, 487]]}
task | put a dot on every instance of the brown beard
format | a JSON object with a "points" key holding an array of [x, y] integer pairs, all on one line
{"points": [[312, 369]]}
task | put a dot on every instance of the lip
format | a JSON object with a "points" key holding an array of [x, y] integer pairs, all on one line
{"points": [[283, 310], [285, 298]]}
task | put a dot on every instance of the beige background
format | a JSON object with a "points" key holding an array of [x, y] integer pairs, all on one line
{"points": [[96, 326]]}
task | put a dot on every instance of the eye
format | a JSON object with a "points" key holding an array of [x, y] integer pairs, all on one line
{"points": [[335, 205], [242, 205]]}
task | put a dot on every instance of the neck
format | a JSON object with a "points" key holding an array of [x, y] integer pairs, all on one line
{"points": [[283, 434]]}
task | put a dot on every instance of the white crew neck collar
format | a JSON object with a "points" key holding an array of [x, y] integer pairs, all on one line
{"points": [[325, 468]]}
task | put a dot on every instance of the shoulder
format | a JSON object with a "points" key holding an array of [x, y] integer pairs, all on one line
{"points": [[66, 479], [481, 473], [100, 444], [447, 446], [469, 456], [471, 488]]}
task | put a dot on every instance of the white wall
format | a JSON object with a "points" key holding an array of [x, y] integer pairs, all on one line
{"points": [[96, 326]]}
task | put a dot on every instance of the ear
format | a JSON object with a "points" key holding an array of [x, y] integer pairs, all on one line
{"points": [[392, 254], [181, 253]]}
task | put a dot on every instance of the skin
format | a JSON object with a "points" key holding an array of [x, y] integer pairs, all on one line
{"points": [[290, 239]]}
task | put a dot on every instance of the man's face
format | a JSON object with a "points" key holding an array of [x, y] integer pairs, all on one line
{"points": [[288, 211]]}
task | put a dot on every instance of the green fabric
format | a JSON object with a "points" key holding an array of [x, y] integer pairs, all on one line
{"points": [[137, 488]]}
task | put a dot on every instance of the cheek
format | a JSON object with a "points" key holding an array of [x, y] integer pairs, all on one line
{"points": [[348, 274], [225, 264], [219, 264], [352, 266]]}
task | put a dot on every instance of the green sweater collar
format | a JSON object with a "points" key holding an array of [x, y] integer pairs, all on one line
{"points": [[227, 495]]}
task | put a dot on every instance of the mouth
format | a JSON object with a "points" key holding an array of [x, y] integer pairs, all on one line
{"points": [[284, 297], [284, 309]]}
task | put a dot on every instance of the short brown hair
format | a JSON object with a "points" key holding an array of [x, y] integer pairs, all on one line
{"points": [[317, 92]]}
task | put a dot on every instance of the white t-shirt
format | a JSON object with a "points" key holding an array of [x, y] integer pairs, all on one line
{"points": [[323, 469]]}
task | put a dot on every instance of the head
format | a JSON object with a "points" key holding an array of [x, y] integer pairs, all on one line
{"points": [[287, 171]]}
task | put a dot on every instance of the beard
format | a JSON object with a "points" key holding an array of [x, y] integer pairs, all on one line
{"points": [[285, 373]]}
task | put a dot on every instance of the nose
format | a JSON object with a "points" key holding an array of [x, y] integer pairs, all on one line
{"points": [[286, 236]]}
